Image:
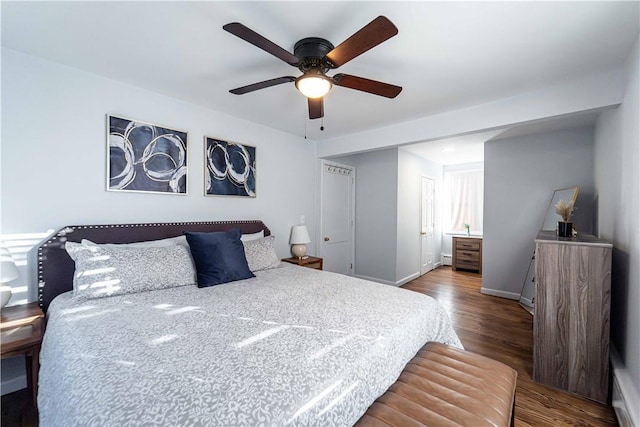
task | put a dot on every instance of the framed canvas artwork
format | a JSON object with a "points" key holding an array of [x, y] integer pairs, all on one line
{"points": [[230, 168], [143, 157]]}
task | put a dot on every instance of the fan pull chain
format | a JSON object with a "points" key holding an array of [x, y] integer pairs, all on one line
{"points": [[322, 124], [305, 128]]}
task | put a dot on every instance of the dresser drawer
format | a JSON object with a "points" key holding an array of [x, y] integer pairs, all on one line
{"points": [[468, 244]]}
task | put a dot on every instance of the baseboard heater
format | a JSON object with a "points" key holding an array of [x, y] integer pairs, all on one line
{"points": [[446, 260]]}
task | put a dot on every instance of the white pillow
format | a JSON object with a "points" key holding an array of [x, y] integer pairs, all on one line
{"points": [[161, 243], [252, 236], [106, 271], [260, 254]]}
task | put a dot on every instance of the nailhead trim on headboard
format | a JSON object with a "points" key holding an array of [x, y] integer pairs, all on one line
{"points": [[59, 238]]}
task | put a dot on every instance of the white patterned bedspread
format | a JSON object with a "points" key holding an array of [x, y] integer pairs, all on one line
{"points": [[293, 346]]}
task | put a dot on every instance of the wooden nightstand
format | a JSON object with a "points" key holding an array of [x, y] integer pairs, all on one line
{"points": [[21, 329], [467, 253], [309, 262]]}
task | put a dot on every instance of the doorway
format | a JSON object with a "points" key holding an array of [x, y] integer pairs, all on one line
{"points": [[427, 224]]}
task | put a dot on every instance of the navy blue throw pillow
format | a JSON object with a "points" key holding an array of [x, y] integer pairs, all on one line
{"points": [[219, 257]]}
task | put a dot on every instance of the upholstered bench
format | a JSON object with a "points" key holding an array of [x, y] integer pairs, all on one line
{"points": [[445, 386]]}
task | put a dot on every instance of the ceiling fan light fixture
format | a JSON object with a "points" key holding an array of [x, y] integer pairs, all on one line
{"points": [[314, 85]]}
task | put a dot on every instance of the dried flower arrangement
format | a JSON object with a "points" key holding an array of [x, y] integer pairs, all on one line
{"points": [[564, 209]]}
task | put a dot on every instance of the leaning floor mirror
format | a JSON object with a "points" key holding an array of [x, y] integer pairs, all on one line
{"points": [[550, 222]]}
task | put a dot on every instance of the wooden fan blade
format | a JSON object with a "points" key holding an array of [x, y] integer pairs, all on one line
{"points": [[316, 108], [369, 36], [365, 85], [257, 40], [262, 85]]}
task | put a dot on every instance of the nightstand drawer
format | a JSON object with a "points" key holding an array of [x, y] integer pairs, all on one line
{"points": [[470, 256], [469, 265], [467, 244]]}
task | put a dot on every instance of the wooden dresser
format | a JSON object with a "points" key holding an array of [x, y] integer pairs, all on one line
{"points": [[571, 314], [467, 253]]}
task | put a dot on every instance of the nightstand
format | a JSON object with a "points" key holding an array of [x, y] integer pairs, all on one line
{"points": [[21, 329], [309, 262]]}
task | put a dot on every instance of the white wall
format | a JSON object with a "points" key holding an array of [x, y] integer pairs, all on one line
{"points": [[617, 180], [53, 156], [376, 210], [520, 175], [410, 170]]}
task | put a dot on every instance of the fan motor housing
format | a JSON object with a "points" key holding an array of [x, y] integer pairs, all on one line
{"points": [[311, 51]]}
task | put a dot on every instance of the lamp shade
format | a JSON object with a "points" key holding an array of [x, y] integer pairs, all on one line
{"points": [[313, 85], [299, 235], [8, 269]]}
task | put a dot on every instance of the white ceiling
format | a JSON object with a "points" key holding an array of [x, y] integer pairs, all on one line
{"points": [[470, 148], [447, 55]]}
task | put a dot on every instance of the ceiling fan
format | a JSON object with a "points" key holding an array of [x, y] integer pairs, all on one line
{"points": [[315, 56]]}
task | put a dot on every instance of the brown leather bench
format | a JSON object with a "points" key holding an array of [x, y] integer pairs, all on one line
{"points": [[445, 386]]}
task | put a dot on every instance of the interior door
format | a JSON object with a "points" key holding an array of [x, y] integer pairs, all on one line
{"points": [[337, 215], [427, 224]]}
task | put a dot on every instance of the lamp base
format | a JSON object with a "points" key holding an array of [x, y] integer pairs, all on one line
{"points": [[298, 251]]}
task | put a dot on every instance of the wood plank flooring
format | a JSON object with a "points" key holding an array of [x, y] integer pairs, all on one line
{"points": [[502, 330], [491, 326]]}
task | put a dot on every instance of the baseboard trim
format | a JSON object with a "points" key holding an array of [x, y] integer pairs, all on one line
{"points": [[499, 293], [375, 279], [408, 279], [526, 301], [389, 282], [623, 392]]}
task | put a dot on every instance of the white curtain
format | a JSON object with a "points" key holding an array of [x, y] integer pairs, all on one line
{"points": [[465, 190]]}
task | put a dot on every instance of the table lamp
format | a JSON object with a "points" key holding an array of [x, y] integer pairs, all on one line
{"points": [[299, 239]]}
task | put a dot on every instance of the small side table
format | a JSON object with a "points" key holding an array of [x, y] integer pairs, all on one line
{"points": [[309, 262], [21, 330]]}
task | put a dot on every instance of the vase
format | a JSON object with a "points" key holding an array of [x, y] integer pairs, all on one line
{"points": [[5, 295], [565, 229]]}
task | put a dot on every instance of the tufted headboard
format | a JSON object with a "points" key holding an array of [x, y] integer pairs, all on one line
{"points": [[56, 268]]}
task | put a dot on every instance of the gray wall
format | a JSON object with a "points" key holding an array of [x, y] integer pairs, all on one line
{"points": [[376, 213], [410, 169], [388, 213], [617, 160], [520, 175]]}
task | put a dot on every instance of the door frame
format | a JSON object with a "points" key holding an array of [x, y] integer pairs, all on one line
{"points": [[322, 163]]}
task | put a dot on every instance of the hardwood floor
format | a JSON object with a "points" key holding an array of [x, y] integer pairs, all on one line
{"points": [[491, 326], [502, 330]]}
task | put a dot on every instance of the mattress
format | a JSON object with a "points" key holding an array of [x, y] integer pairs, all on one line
{"points": [[292, 346]]}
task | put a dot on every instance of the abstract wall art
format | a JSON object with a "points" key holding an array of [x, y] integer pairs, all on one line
{"points": [[143, 157], [230, 168]]}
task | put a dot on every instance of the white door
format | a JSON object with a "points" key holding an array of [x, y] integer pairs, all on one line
{"points": [[337, 215], [427, 224]]}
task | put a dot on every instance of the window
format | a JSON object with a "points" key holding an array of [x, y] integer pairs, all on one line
{"points": [[465, 192]]}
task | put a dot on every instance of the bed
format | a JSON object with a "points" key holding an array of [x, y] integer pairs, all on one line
{"points": [[290, 346]]}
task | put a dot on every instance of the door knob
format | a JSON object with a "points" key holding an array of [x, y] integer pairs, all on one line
{"points": [[326, 239]]}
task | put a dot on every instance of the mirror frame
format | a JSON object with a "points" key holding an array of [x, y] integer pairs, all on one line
{"points": [[529, 279], [551, 214]]}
